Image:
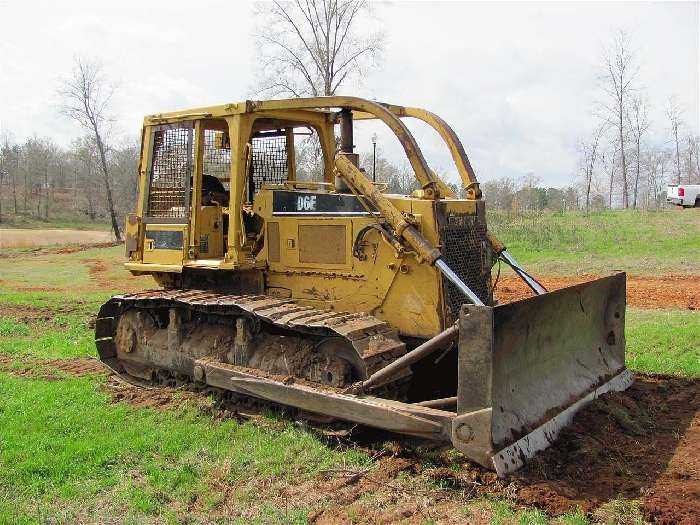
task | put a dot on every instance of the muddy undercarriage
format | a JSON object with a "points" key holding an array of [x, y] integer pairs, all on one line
{"points": [[171, 331]]}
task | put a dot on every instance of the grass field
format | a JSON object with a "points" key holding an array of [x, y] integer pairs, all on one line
{"points": [[58, 219], [70, 453], [636, 241]]}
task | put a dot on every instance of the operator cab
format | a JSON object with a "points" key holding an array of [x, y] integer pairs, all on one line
{"points": [[189, 188]]}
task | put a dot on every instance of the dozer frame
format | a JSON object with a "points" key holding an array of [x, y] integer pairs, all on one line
{"points": [[383, 304]]}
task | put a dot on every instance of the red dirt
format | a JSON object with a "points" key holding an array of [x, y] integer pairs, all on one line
{"points": [[38, 289], [640, 444], [25, 314], [666, 291], [50, 369], [96, 266], [77, 367], [160, 398]]}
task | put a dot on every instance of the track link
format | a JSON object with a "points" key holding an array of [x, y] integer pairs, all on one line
{"points": [[372, 339]]}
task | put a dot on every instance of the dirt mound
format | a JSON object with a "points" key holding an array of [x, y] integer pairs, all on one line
{"points": [[640, 444], [666, 291]]}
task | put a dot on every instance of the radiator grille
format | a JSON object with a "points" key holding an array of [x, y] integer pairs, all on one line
{"points": [[171, 167], [468, 253], [268, 163]]}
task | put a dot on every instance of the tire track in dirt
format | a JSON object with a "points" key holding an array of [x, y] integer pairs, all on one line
{"points": [[653, 292]]}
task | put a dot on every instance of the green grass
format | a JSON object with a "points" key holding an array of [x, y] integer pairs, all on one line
{"points": [[663, 341], [642, 242], [502, 512], [63, 442], [68, 454], [63, 270], [11, 328]]}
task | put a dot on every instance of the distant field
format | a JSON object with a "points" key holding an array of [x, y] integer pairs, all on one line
{"points": [[636, 241], [25, 238], [59, 220]]}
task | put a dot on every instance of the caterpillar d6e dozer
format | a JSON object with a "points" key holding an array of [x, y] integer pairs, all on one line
{"points": [[340, 299]]}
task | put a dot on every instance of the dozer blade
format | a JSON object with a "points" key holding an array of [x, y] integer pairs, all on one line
{"points": [[526, 367]]}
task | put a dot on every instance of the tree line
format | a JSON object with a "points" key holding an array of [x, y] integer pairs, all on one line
{"points": [[39, 178], [620, 165], [317, 47], [42, 180]]}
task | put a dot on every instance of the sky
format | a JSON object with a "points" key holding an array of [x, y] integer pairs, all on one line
{"points": [[517, 81]]}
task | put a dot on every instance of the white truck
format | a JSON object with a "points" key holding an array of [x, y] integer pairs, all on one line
{"points": [[685, 195]]}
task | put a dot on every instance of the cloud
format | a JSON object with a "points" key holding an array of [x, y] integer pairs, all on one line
{"points": [[517, 81]]}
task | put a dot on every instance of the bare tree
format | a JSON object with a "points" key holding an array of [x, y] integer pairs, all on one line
{"points": [[500, 192], [673, 112], [620, 72], [84, 155], [311, 47], [697, 157], [656, 174], [692, 149], [3, 172], [86, 98], [10, 155], [610, 162], [639, 124], [590, 153], [38, 156]]}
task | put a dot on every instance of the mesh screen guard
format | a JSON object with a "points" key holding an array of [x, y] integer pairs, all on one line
{"points": [[216, 161], [171, 169], [467, 251], [268, 163]]}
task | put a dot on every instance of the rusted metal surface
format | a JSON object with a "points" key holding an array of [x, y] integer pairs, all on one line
{"points": [[390, 415], [374, 342], [441, 341], [522, 363]]}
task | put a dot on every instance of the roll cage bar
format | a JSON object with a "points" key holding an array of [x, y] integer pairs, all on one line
{"points": [[363, 109]]}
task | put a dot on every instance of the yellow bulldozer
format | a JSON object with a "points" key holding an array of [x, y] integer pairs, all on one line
{"points": [[340, 299]]}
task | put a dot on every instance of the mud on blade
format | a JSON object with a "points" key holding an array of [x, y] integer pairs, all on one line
{"points": [[526, 367]]}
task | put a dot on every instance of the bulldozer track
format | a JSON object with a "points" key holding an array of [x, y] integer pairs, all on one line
{"points": [[372, 339]]}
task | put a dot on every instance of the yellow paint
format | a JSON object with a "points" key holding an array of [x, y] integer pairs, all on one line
{"points": [[394, 285]]}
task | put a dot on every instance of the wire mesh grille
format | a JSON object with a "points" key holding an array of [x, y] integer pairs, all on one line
{"points": [[268, 162], [467, 251], [171, 166], [216, 160]]}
